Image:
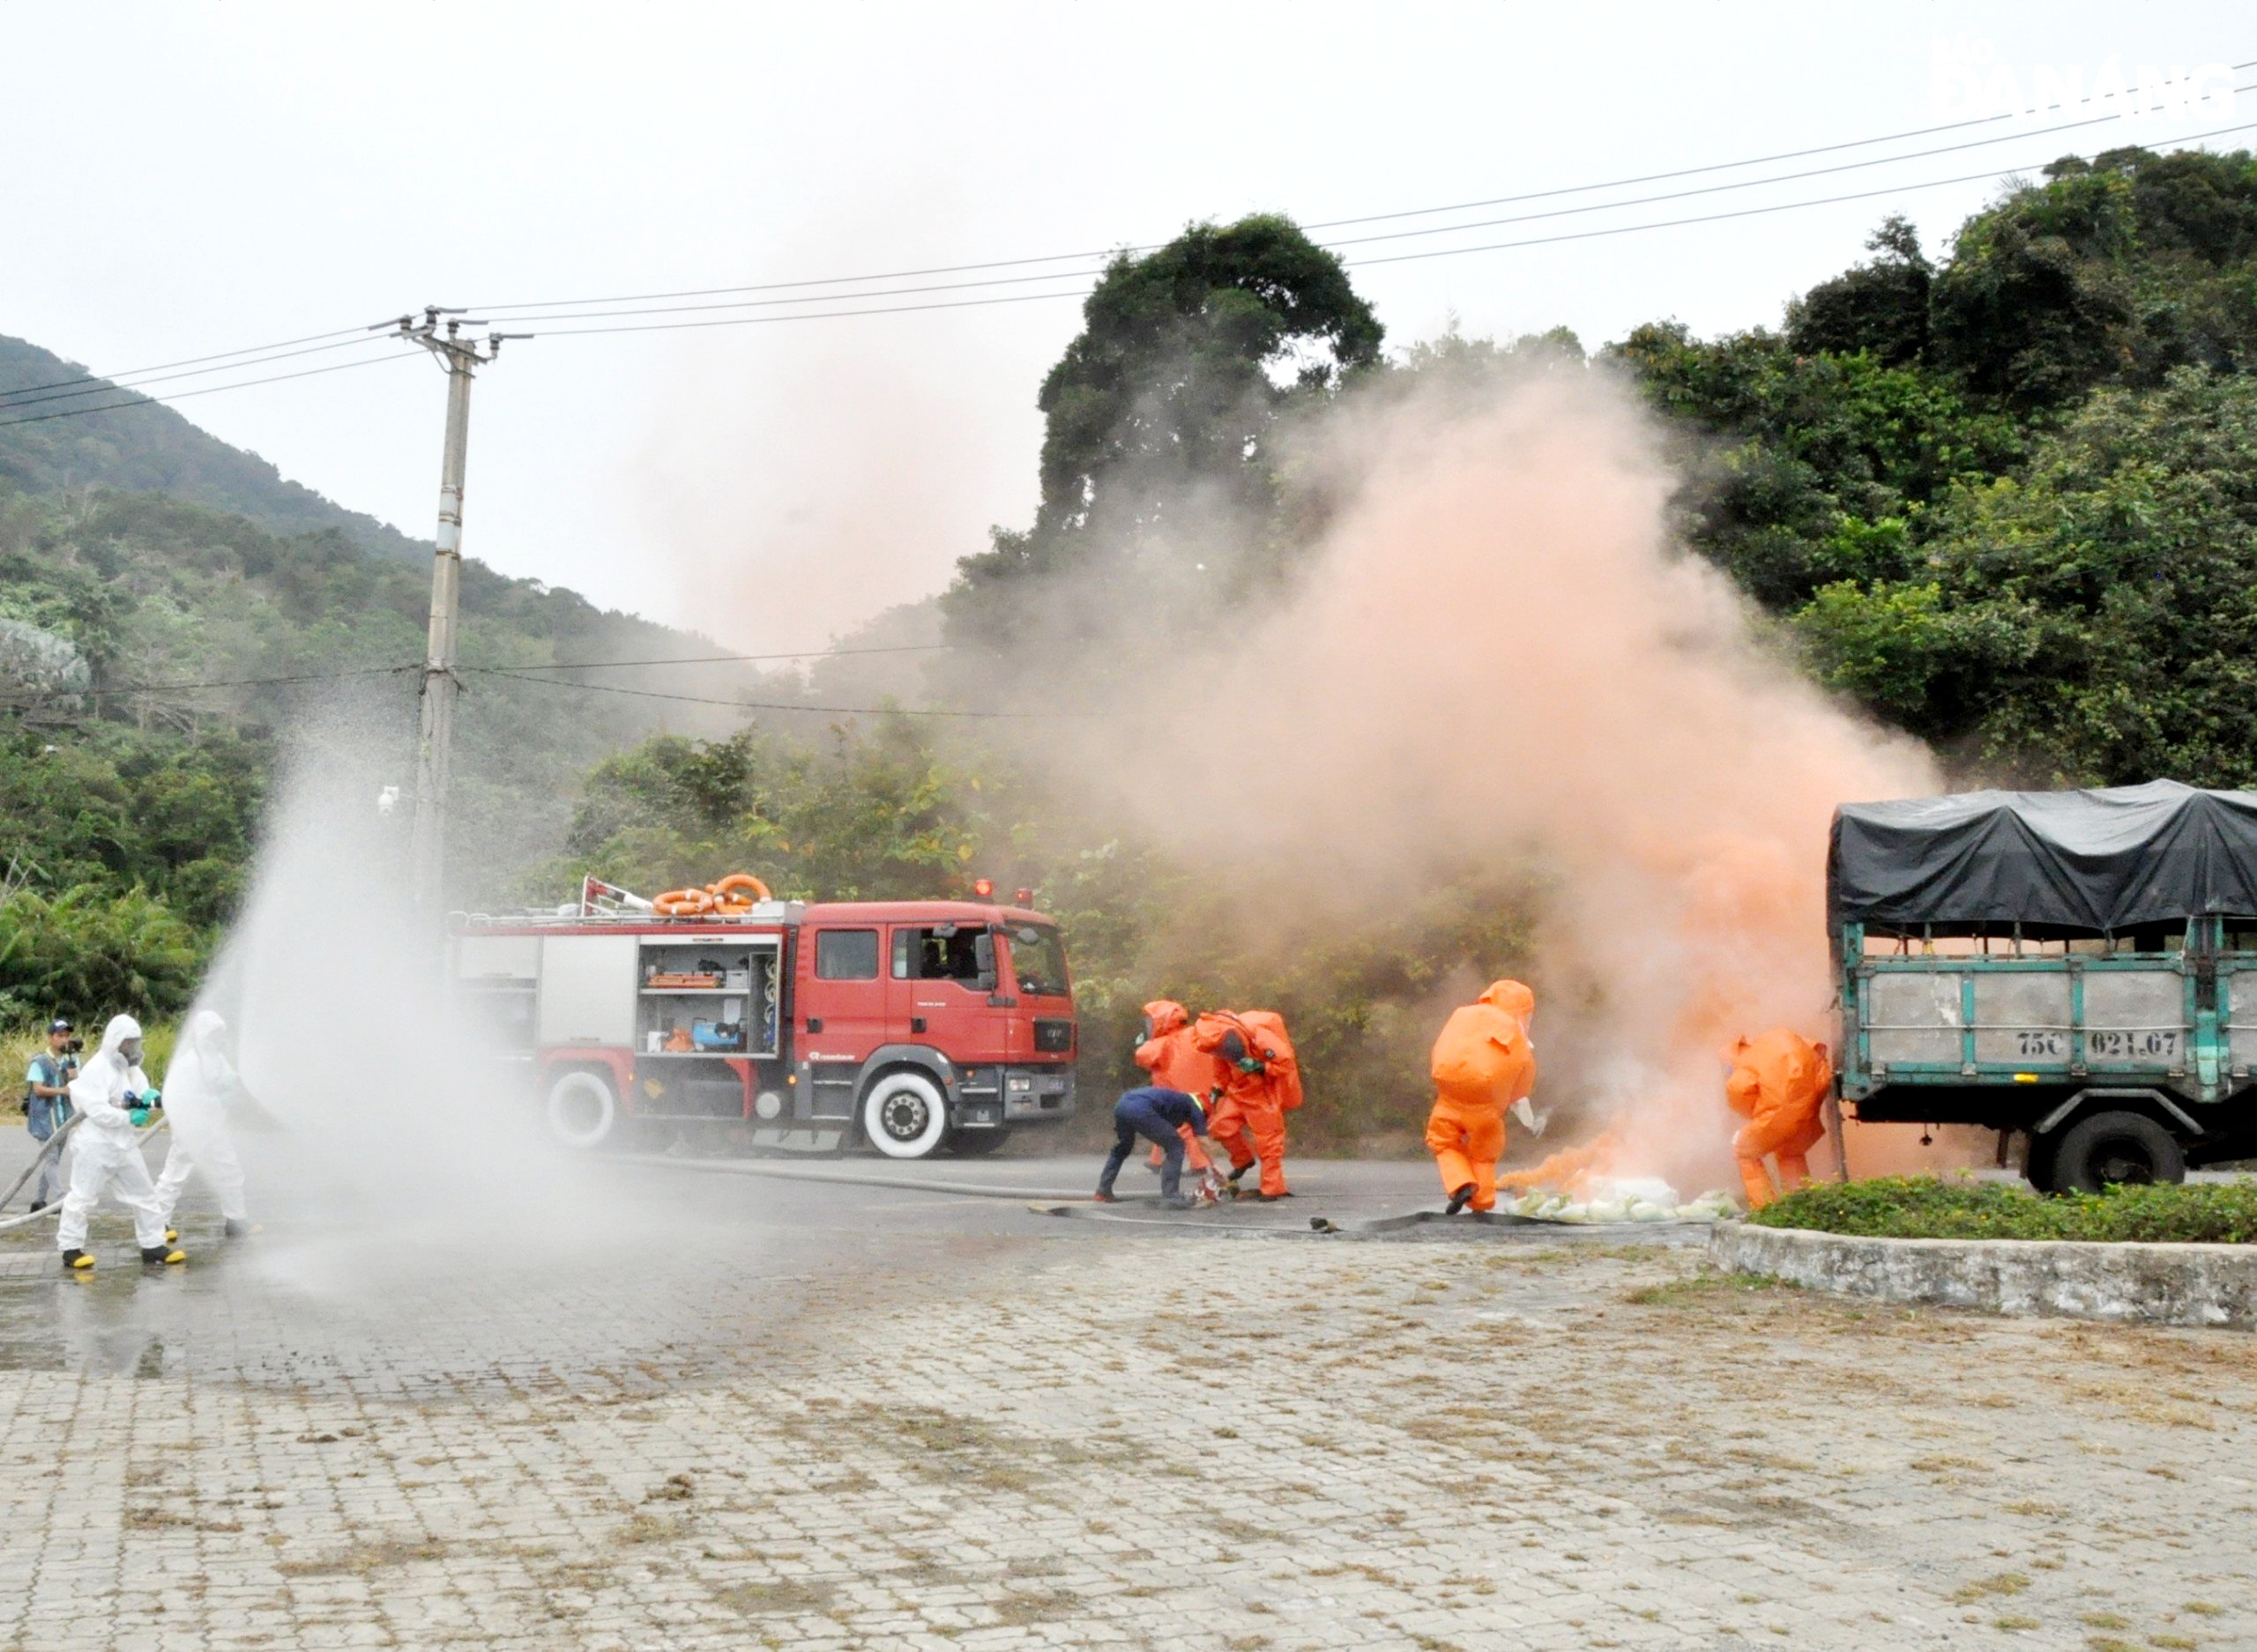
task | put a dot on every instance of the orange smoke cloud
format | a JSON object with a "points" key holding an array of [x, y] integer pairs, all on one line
{"points": [[1497, 651]]}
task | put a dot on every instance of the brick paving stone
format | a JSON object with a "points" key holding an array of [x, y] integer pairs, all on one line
{"points": [[1093, 1441]]}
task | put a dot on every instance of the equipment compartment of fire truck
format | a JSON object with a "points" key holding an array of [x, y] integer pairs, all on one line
{"points": [[911, 1025]]}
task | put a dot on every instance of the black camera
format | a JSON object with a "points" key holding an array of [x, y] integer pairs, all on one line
{"points": [[74, 1046]]}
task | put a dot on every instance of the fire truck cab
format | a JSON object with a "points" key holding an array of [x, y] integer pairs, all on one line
{"points": [[913, 1025]]}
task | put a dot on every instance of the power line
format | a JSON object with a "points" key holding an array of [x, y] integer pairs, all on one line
{"points": [[817, 298], [1401, 235], [722, 659], [1729, 166], [165, 401], [826, 314], [1708, 217], [1333, 223], [13, 399], [1441, 252], [257, 349], [509, 671], [777, 705], [1719, 188], [93, 689]]}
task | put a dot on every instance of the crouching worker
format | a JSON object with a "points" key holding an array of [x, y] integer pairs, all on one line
{"points": [[117, 1098], [1484, 1064], [1174, 1062], [1153, 1114], [1778, 1083]]}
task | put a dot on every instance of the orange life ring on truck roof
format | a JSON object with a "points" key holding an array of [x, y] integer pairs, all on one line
{"points": [[683, 903], [726, 895]]}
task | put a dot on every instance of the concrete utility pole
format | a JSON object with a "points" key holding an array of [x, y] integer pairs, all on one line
{"points": [[460, 357]]}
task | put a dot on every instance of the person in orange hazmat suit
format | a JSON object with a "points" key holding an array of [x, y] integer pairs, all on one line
{"points": [[1175, 1063], [1483, 1064], [1259, 1085], [1779, 1082]]}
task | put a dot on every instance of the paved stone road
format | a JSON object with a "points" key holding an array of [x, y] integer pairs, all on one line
{"points": [[913, 1422]]}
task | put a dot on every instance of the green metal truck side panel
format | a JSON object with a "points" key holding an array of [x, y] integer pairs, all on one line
{"points": [[2049, 1019]]}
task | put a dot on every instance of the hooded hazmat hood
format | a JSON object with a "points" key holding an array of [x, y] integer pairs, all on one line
{"points": [[2107, 859]]}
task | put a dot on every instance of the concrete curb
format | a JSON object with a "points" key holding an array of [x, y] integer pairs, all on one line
{"points": [[2210, 1286]]}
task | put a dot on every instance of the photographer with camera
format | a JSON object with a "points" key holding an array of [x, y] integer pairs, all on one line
{"points": [[47, 1103]]}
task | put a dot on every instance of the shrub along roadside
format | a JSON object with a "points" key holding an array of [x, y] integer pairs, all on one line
{"points": [[1926, 1207]]}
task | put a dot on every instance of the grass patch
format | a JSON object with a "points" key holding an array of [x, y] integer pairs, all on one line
{"points": [[1928, 1207], [366, 1557], [792, 1595], [1982, 1588], [1703, 1287]]}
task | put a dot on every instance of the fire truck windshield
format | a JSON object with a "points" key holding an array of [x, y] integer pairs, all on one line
{"points": [[1039, 957]]}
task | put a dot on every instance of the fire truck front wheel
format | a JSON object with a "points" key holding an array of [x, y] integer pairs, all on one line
{"points": [[904, 1115], [582, 1111]]}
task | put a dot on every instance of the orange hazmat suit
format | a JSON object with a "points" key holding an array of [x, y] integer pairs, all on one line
{"points": [[1779, 1082], [1483, 1063], [1259, 1081], [1175, 1063]]}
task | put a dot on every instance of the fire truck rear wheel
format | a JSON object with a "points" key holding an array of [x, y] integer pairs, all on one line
{"points": [[904, 1115], [582, 1111]]}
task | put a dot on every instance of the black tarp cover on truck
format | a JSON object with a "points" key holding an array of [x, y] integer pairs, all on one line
{"points": [[2103, 860]]}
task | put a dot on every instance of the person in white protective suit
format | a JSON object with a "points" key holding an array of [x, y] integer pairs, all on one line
{"points": [[115, 1097], [197, 1086]]}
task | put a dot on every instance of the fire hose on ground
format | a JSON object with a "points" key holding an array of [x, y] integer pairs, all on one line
{"points": [[54, 1144]]}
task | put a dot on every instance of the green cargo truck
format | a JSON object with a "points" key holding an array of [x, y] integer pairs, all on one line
{"points": [[2076, 967]]}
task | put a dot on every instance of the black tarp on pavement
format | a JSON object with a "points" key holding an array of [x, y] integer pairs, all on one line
{"points": [[2100, 860]]}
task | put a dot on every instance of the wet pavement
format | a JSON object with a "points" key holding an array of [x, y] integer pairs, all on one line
{"points": [[828, 1405], [676, 1275]]}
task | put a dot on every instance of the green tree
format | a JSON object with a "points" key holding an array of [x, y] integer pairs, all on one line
{"points": [[1806, 469], [2091, 619], [85, 952], [2112, 271], [1165, 404], [1878, 309]]}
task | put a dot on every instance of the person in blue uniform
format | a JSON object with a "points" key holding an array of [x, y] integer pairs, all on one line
{"points": [[1157, 1115]]}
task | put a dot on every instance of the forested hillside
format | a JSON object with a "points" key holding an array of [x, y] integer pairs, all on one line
{"points": [[1999, 494], [50, 444], [158, 658]]}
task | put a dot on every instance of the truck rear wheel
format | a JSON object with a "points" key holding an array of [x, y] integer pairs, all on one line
{"points": [[904, 1115], [2114, 1148], [582, 1111]]}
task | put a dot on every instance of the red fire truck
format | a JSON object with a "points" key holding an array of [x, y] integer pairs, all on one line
{"points": [[915, 1024]]}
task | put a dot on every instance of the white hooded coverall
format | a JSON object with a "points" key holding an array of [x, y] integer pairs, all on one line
{"points": [[196, 1092], [104, 1153]]}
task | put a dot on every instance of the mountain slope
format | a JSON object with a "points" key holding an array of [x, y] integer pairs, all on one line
{"points": [[144, 448]]}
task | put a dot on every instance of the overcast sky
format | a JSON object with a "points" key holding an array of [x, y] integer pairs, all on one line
{"points": [[184, 178]]}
